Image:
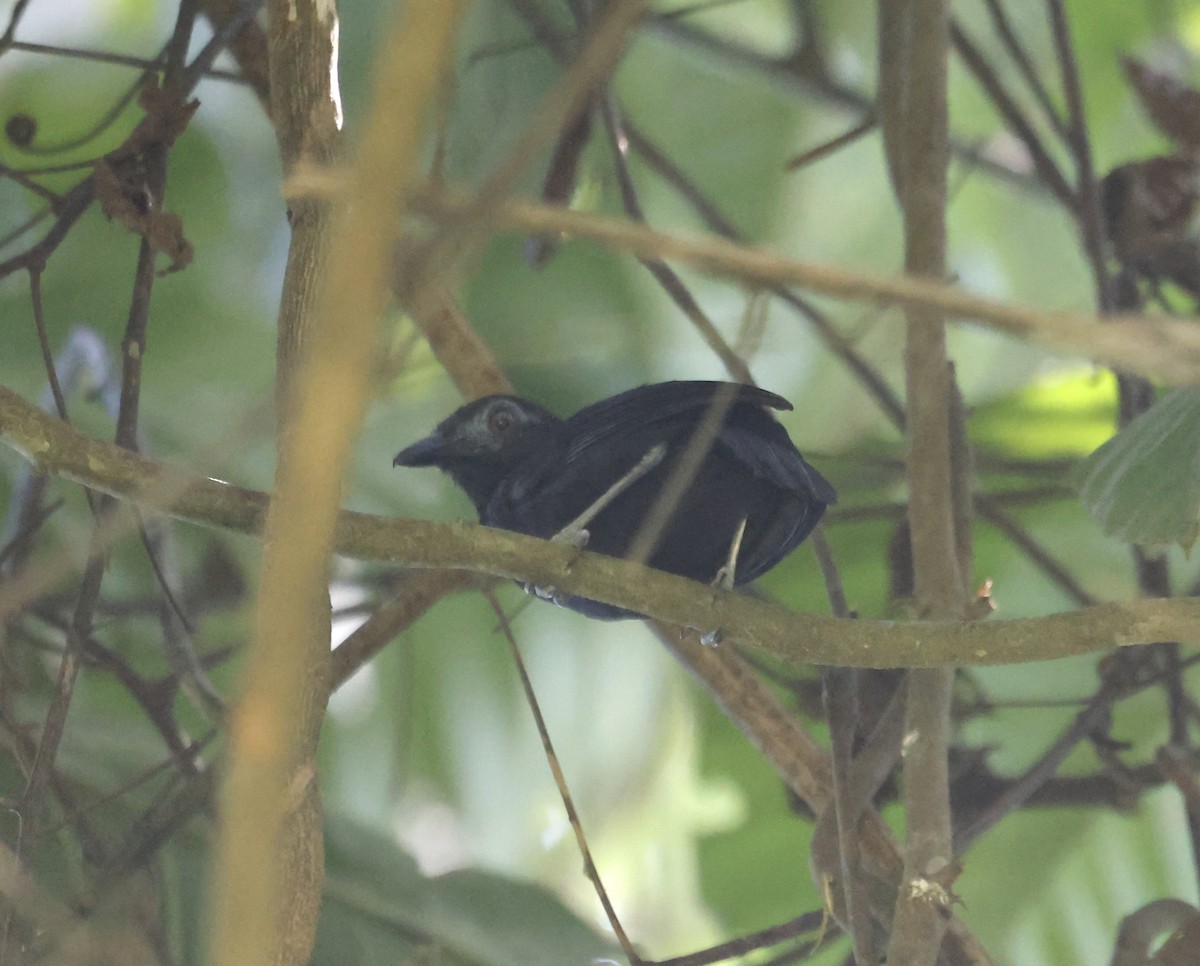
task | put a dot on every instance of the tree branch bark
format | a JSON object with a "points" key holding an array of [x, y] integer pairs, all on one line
{"points": [[267, 873], [57, 448], [1153, 346], [913, 63]]}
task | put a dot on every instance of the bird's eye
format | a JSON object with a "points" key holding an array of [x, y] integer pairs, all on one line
{"points": [[501, 421]]}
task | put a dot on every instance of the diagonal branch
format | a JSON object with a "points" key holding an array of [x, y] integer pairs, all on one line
{"points": [[1157, 347], [1154, 346]]}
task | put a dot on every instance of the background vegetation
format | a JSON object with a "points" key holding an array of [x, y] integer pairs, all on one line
{"points": [[445, 839]]}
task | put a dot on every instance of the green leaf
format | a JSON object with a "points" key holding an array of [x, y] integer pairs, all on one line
{"points": [[1143, 485], [379, 908]]}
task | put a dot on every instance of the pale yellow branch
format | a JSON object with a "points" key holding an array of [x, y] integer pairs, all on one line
{"points": [[1152, 346], [274, 726]]}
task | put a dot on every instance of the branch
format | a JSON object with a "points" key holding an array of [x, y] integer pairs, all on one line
{"points": [[248, 46], [918, 157], [1153, 346], [269, 857], [57, 448]]}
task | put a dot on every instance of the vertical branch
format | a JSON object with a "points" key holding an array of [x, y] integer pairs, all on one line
{"points": [[840, 697], [894, 30], [839, 691], [281, 898], [918, 158], [133, 342], [272, 733], [1094, 240], [306, 111]]}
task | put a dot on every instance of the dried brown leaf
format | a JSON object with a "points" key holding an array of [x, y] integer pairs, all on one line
{"points": [[1151, 210], [1172, 106], [124, 198]]}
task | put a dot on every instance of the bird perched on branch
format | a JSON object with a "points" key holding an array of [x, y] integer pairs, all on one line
{"points": [[694, 478]]}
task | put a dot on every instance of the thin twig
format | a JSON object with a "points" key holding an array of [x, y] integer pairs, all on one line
{"points": [[833, 145], [742, 945], [247, 44], [39, 321], [29, 184], [840, 693], [106, 120], [671, 283], [416, 591], [1016, 50], [560, 781], [619, 140], [41, 770], [14, 18], [872, 381], [798, 77], [1043, 163], [1155, 346], [840, 697], [991, 510], [123, 60], [1036, 775], [1095, 242], [56, 715]]}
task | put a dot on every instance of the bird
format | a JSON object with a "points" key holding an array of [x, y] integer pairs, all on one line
{"points": [[734, 496]]}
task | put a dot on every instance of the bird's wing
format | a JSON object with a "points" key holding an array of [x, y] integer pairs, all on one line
{"points": [[752, 435], [769, 453], [648, 406]]}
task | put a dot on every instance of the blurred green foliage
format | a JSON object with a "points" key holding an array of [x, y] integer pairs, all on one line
{"points": [[430, 752]]}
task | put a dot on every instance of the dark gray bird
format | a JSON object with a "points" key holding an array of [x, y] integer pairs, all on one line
{"points": [[730, 506]]}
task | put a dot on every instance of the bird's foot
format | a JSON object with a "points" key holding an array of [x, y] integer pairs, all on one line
{"points": [[727, 573], [572, 536], [724, 579], [577, 537], [552, 594]]}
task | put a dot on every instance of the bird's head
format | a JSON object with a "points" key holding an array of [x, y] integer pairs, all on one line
{"points": [[481, 443]]}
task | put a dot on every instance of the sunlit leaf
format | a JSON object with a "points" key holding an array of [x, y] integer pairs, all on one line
{"points": [[1143, 485]]}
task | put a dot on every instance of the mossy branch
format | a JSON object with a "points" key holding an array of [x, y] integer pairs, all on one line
{"points": [[57, 448]]}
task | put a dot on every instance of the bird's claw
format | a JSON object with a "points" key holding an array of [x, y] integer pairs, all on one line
{"points": [[573, 536], [724, 578], [577, 537], [552, 594]]}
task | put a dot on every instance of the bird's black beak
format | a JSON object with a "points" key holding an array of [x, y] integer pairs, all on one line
{"points": [[425, 452]]}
